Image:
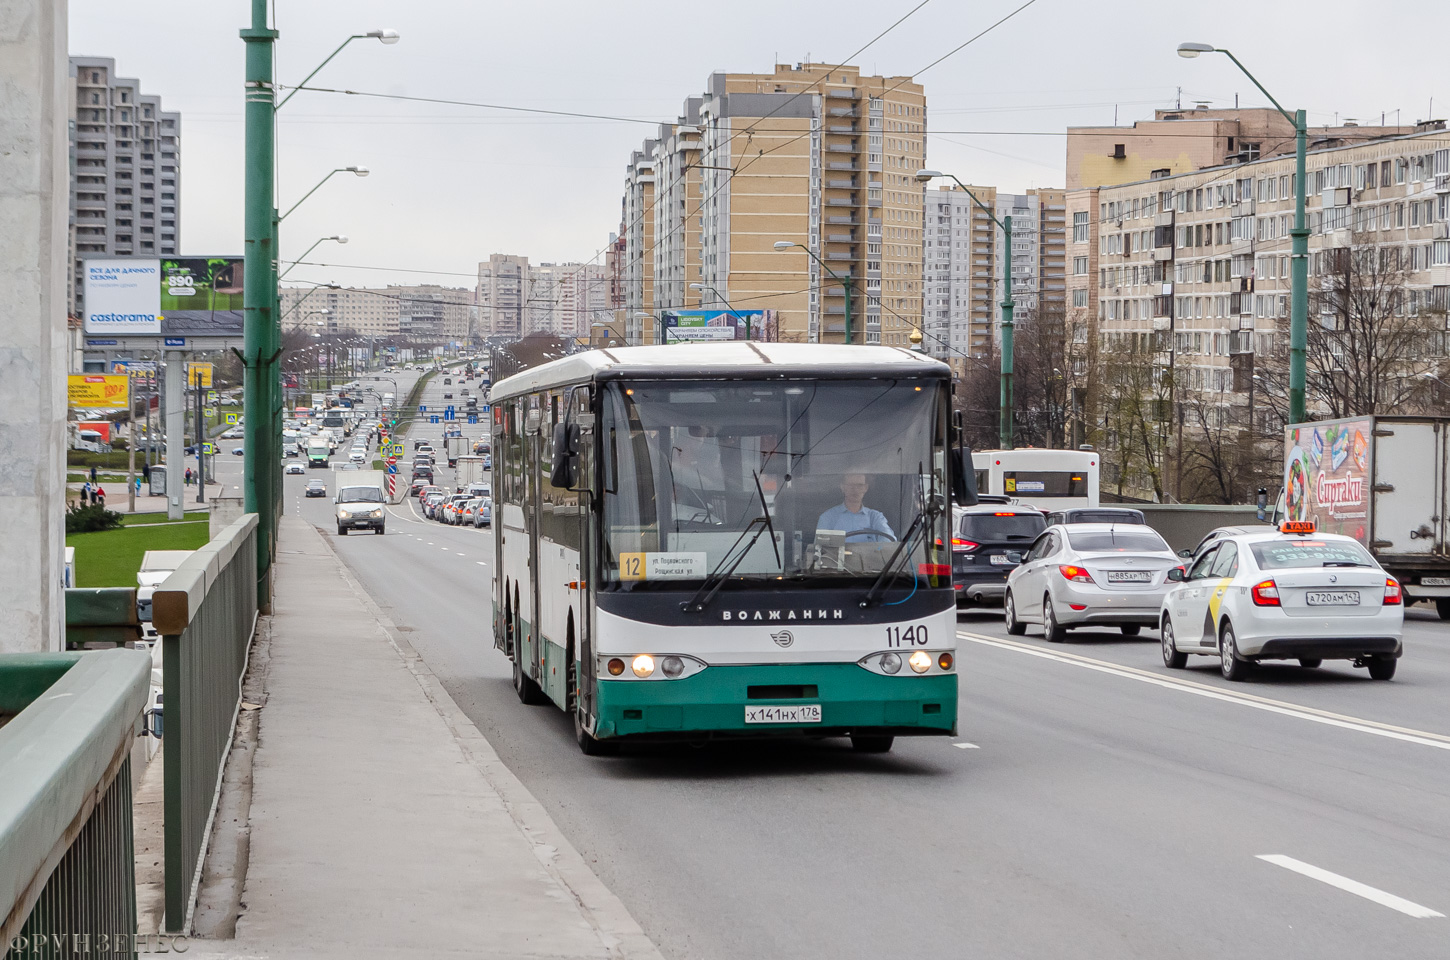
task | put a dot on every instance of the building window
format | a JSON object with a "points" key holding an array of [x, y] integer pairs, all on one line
{"points": [[1080, 227]]}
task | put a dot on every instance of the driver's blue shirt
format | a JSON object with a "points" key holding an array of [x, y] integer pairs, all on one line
{"points": [[840, 518]]}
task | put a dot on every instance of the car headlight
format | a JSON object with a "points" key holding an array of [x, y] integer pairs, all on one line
{"points": [[344, 514], [378, 512]]}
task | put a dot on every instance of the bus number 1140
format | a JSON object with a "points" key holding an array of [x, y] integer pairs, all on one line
{"points": [[912, 636]]}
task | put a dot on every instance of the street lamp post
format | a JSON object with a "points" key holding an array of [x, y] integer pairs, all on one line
{"points": [[1005, 416], [845, 281], [356, 171], [721, 297], [321, 240], [1299, 259]]}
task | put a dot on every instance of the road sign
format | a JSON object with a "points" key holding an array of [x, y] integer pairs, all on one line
{"points": [[392, 485], [448, 414], [392, 467], [472, 418], [231, 417], [208, 448], [422, 408], [434, 419]]}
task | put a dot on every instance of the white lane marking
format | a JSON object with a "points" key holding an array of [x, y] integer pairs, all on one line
{"points": [[462, 554], [1408, 735], [480, 563], [1407, 907], [966, 746]]}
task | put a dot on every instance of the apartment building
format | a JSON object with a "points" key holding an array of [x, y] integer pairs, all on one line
{"points": [[1181, 141], [964, 264], [566, 298], [501, 294], [126, 179], [812, 154], [1192, 271], [432, 313], [425, 312]]}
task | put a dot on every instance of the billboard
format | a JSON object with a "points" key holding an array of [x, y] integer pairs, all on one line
{"points": [[98, 391], [695, 325], [175, 298], [1327, 470], [198, 375], [122, 297], [103, 427], [201, 297]]}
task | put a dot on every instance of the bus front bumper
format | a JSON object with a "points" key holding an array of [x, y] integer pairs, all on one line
{"points": [[715, 701]]}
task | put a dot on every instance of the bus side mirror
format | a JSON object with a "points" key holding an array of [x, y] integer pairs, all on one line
{"points": [[964, 477], [566, 456]]}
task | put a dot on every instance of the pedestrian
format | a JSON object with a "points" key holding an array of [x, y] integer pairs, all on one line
{"points": [[100, 495], [146, 472], [85, 493], [188, 476], [138, 486], [93, 473]]}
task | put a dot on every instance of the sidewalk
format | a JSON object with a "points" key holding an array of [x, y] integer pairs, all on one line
{"points": [[382, 822]]}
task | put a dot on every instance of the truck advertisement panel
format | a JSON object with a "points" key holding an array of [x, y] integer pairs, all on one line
{"points": [[1328, 470]]}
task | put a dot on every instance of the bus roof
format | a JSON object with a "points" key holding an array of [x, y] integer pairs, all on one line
{"points": [[742, 359]]}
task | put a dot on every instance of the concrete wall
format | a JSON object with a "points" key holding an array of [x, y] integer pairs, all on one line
{"points": [[34, 191], [1184, 524]]}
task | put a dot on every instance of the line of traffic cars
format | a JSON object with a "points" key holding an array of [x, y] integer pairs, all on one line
{"points": [[1243, 595], [470, 506]]}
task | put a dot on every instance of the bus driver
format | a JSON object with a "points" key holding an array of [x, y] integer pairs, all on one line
{"points": [[853, 515]]}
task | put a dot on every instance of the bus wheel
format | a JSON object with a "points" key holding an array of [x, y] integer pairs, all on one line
{"points": [[528, 691], [588, 743], [872, 744]]}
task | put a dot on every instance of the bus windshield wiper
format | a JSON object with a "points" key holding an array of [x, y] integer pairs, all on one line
{"points": [[918, 528], [727, 563]]}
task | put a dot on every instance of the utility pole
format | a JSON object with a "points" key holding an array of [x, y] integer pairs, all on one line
{"points": [[261, 337], [1004, 416], [200, 439]]}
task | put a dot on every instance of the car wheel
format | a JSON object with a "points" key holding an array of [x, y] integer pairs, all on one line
{"points": [[1230, 664], [1173, 658], [1009, 617], [1052, 631], [525, 688], [380, 531], [589, 745], [1382, 668], [1310, 662], [1442, 607], [342, 531], [872, 744], [1131, 629]]}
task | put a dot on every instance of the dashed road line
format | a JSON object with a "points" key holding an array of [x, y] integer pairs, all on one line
{"points": [[1407, 907], [966, 746]]}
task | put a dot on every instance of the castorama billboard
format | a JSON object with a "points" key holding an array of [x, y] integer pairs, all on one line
{"points": [[123, 297]]}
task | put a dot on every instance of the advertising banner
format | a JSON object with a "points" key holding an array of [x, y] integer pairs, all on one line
{"points": [[201, 297], [174, 298], [122, 297], [1327, 471], [103, 427], [681, 326], [98, 391], [195, 370]]}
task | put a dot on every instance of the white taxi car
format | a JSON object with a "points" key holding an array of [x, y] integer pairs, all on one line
{"points": [[1287, 594]]}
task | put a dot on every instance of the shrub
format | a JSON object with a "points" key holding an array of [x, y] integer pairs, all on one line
{"points": [[89, 518]]}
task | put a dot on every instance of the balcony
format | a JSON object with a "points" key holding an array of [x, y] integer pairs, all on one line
{"points": [[1163, 254], [842, 184], [840, 148], [843, 94], [840, 202], [843, 221], [849, 129], [842, 165], [849, 112], [835, 255]]}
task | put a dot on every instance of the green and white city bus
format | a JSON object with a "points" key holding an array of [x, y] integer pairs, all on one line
{"points": [[730, 539]]}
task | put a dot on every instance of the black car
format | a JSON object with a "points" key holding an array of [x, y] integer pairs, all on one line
{"points": [[316, 488], [1096, 515], [988, 541]]}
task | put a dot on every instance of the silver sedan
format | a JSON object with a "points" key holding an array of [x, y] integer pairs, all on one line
{"points": [[1090, 574]]}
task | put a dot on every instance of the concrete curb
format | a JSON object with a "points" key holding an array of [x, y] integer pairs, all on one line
{"points": [[602, 910]]}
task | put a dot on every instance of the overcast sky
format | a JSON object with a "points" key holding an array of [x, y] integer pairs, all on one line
{"points": [[451, 184]]}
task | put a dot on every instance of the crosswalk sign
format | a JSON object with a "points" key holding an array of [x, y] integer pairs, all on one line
{"points": [[231, 417], [208, 448]]}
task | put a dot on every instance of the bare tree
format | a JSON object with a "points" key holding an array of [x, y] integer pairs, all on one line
{"points": [[1224, 457]]}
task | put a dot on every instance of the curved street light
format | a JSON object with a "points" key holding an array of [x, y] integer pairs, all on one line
{"points": [[340, 238], [386, 36], [845, 281], [356, 171]]}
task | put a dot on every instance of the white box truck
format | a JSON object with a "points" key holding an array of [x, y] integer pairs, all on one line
{"points": [[361, 501], [455, 447], [1385, 481], [469, 470]]}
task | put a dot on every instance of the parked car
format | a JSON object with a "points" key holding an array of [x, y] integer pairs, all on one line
{"points": [[1090, 574], [295, 466], [1284, 596], [316, 488], [988, 542]]}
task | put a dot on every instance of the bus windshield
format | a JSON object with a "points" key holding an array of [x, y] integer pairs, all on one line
{"points": [[843, 469]]}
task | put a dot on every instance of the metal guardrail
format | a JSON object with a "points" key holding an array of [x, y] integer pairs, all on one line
{"points": [[106, 615], [67, 860], [206, 614]]}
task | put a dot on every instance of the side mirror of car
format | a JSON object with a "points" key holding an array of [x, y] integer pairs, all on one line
{"points": [[1014, 556], [1177, 575], [1186, 552]]}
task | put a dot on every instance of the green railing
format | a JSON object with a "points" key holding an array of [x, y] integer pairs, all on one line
{"points": [[104, 616], [67, 862], [205, 612]]}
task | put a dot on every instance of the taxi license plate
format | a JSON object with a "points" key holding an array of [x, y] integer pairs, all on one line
{"points": [[801, 713], [1129, 576], [1337, 598], [1000, 560]]}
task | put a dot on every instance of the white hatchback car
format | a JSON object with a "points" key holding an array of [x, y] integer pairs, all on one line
{"points": [[1284, 596], [1090, 574]]}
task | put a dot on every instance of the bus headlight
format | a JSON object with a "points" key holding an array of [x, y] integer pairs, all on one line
{"points": [[672, 667], [616, 667], [890, 663], [643, 665], [920, 661], [945, 661]]}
